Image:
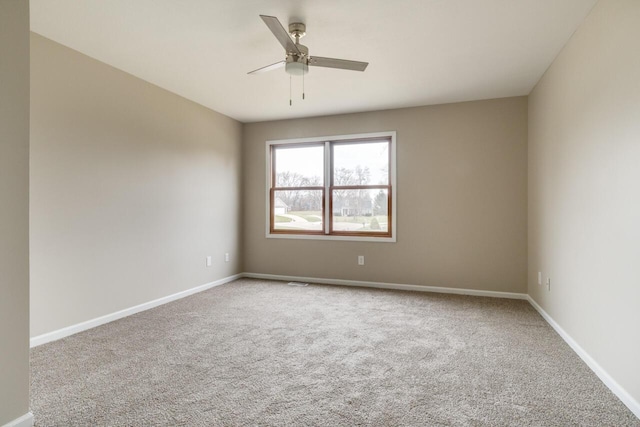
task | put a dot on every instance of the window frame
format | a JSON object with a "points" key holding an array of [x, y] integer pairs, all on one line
{"points": [[326, 233]]}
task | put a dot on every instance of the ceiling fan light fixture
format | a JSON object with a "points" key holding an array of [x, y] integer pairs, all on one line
{"points": [[296, 68]]}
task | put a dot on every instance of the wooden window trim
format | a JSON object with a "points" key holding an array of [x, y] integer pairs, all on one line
{"points": [[327, 190]]}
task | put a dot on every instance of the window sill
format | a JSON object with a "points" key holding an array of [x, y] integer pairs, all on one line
{"points": [[329, 237]]}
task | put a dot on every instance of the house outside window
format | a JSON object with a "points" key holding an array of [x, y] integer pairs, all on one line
{"points": [[336, 188]]}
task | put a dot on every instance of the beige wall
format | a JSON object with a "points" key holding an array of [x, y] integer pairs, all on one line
{"points": [[131, 188], [14, 209], [584, 189], [462, 201]]}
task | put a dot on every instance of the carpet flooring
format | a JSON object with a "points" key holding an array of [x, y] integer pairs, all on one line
{"points": [[261, 353]]}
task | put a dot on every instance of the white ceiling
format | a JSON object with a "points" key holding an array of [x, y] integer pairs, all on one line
{"points": [[420, 52]]}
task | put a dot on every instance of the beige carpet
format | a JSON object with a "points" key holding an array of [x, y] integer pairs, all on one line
{"points": [[261, 353]]}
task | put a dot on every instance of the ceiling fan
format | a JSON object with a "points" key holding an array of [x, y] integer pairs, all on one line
{"points": [[297, 59]]}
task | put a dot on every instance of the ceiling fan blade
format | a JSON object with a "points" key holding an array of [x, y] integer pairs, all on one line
{"points": [[275, 66], [344, 64], [281, 34]]}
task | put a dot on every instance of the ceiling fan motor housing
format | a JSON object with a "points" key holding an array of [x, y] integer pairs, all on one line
{"points": [[297, 30]]}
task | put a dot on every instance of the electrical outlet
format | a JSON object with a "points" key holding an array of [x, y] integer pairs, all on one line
{"points": [[360, 259], [226, 257], [539, 277], [209, 261], [548, 283]]}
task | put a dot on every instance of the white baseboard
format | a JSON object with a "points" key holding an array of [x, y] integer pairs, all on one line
{"points": [[384, 285], [79, 327], [24, 421], [616, 388]]}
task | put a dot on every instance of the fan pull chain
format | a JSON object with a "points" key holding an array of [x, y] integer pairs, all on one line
{"points": [[290, 103], [303, 85]]}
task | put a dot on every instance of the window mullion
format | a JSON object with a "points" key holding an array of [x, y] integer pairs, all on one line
{"points": [[327, 184]]}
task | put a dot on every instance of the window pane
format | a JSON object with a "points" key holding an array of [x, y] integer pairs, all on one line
{"points": [[361, 163], [364, 211], [298, 210], [299, 166]]}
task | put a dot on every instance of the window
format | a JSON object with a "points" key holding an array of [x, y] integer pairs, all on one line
{"points": [[340, 188]]}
